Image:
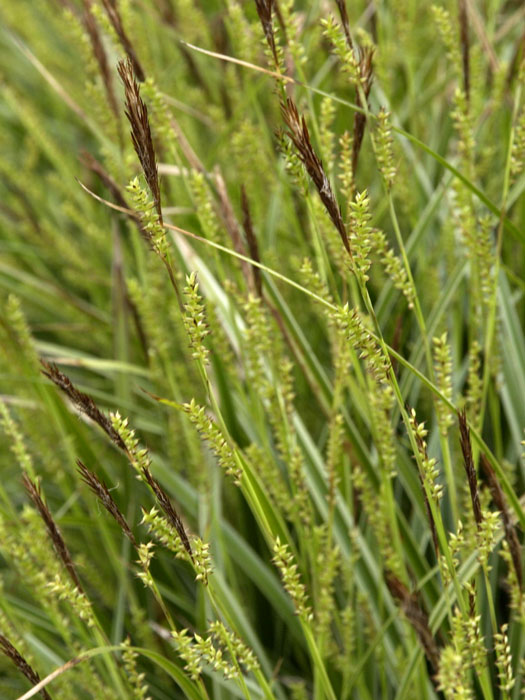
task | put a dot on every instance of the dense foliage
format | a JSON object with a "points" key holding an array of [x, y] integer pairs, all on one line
{"points": [[261, 349]]}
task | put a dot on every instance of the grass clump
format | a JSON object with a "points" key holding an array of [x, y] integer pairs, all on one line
{"points": [[262, 350]]}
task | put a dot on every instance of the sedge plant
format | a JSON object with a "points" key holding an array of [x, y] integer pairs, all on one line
{"points": [[262, 350]]}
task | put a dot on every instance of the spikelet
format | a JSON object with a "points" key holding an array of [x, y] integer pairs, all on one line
{"points": [[346, 174], [241, 32], [291, 30], [383, 146], [195, 319], [360, 234], [504, 660], [326, 135], [275, 53], [210, 432], [443, 370], [205, 208], [129, 658], [257, 345], [160, 115], [353, 329], [16, 439], [148, 214], [474, 382], [344, 52], [454, 663], [283, 559], [429, 464], [221, 649], [393, 265], [328, 564]]}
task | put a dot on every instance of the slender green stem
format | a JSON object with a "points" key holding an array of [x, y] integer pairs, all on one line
{"points": [[493, 303]]}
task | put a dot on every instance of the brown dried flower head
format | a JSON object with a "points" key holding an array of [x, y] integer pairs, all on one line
{"points": [[137, 114], [82, 401], [466, 448], [12, 653], [100, 490], [114, 17], [265, 10], [300, 137], [55, 535]]}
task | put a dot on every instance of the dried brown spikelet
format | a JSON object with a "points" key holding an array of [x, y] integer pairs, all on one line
{"points": [[137, 114], [423, 451], [12, 653], [501, 503], [343, 14], [466, 448], [100, 490], [417, 617], [82, 401], [264, 10], [33, 491], [114, 17], [165, 503], [298, 133]]}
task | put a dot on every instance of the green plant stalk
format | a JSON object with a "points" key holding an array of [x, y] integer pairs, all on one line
{"points": [[519, 655], [445, 447], [490, 599], [491, 322], [111, 665], [318, 661]]}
